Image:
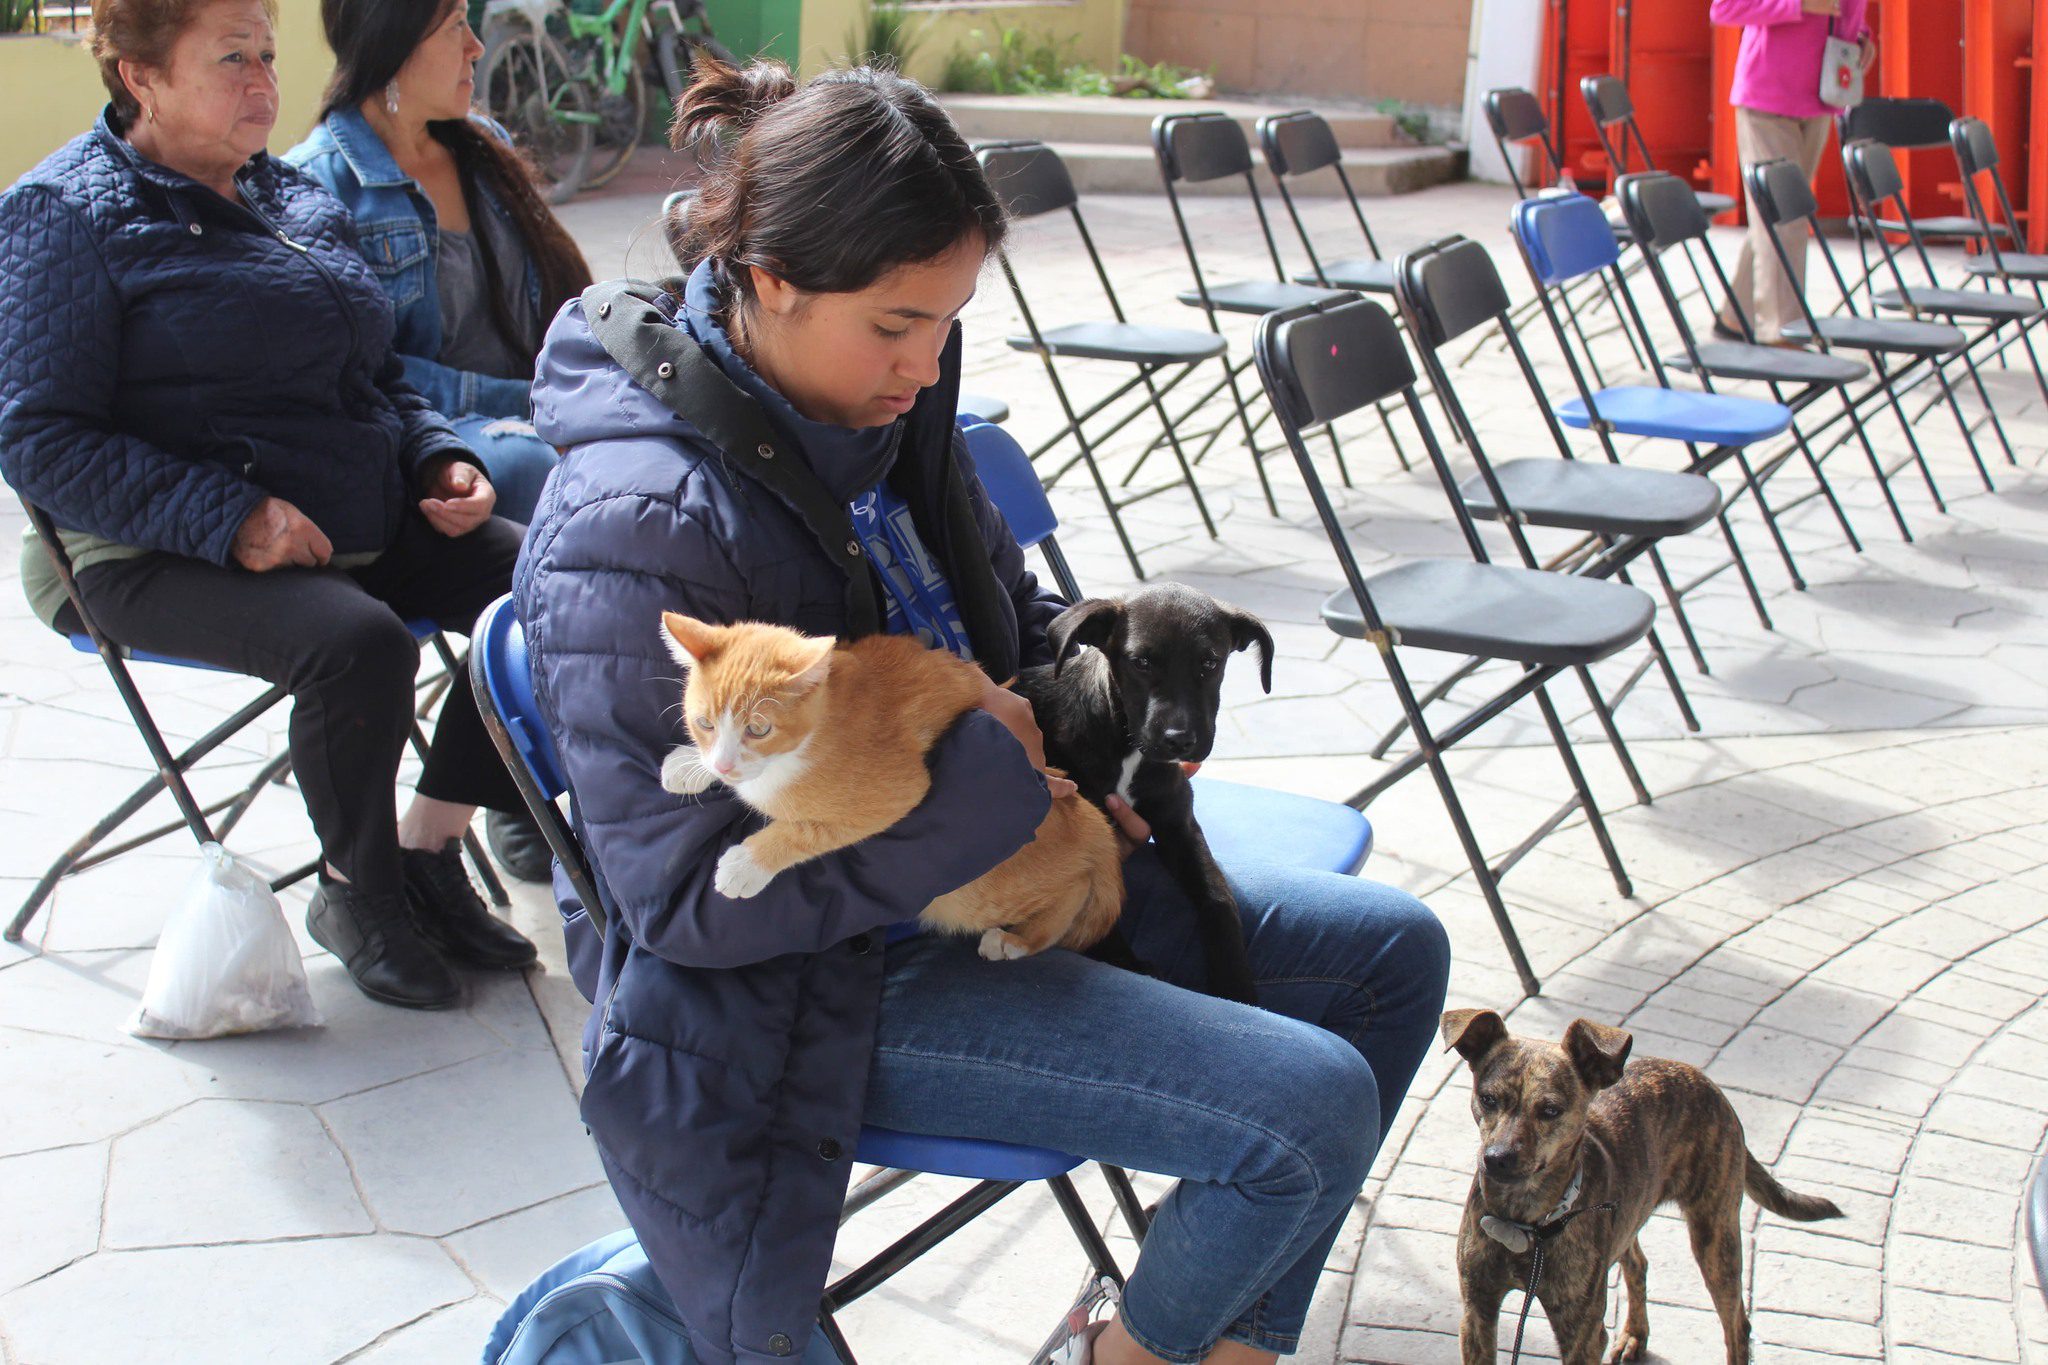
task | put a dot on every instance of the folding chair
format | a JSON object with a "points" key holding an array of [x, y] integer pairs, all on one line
{"points": [[1515, 118], [1448, 289], [1874, 178], [1621, 137], [1663, 212], [1239, 822], [500, 674], [1783, 199], [1194, 148], [1322, 362], [1977, 157], [171, 769], [1565, 237], [1912, 125], [1031, 180]]}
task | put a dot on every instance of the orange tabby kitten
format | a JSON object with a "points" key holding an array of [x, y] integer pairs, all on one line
{"points": [[828, 740]]}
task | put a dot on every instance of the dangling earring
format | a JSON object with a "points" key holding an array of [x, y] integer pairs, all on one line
{"points": [[391, 98], [152, 113]]}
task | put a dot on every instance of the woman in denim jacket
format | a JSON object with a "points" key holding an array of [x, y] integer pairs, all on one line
{"points": [[450, 221]]}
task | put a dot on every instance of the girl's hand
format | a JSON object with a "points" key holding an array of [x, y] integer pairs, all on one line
{"points": [[1132, 833], [1015, 714]]}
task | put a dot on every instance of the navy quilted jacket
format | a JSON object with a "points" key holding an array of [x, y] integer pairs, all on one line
{"points": [[727, 1054], [167, 357]]}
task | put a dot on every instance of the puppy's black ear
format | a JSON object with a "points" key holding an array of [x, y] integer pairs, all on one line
{"points": [[1473, 1032], [1247, 630], [1090, 621], [1598, 1052]]}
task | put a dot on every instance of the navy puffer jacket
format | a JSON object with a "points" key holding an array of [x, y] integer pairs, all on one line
{"points": [[728, 1049], [168, 358]]}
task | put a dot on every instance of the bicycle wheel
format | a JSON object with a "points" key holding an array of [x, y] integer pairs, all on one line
{"points": [[524, 83], [622, 122]]}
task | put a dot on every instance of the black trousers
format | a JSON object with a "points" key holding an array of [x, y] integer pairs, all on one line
{"points": [[337, 640]]}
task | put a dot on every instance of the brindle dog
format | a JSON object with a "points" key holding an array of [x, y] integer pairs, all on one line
{"points": [[1644, 1133]]}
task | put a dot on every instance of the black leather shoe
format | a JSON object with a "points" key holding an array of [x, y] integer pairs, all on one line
{"points": [[373, 935], [516, 842], [450, 915]]}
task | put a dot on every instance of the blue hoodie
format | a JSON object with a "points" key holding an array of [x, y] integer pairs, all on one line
{"points": [[728, 1052]]}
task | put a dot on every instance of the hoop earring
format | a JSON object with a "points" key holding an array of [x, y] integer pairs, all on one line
{"points": [[391, 98]]}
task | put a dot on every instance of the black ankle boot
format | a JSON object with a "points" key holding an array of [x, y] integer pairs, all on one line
{"points": [[451, 916], [518, 845], [373, 935]]}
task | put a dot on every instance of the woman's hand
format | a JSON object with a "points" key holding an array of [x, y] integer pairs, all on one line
{"points": [[277, 535], [1015, 714], [460, 500]]}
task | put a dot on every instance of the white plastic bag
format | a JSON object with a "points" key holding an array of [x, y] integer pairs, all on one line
{"points": [[226, 961]]}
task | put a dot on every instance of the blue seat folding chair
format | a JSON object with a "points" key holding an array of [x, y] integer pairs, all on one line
{"points": [[211, 822], [1320, 363], [1564, 238], [504, 692], [1241, 823], [1033, 182]]}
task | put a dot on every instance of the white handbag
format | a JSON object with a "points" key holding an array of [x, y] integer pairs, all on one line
{"points": [[1841, 71]]}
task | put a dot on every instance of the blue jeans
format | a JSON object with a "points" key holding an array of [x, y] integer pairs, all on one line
{"points": [[518, 464], [1269, 1118]]}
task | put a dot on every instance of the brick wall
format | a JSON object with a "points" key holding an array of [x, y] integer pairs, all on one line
{"points": [[1410, 50]]}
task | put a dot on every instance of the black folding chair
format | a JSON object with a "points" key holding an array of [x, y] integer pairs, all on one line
{"points": [[1193, 149], [1874, 179], [1912, 125], [1031, 180], [1300, 143], [1977, 158], [1783, 199], [1621, 137], [172, 768], [1447, 289], [1663, 212], [1322, 362]]}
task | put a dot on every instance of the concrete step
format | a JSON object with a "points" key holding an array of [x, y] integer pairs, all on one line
{"points": [[1114, 168], [1061, 119]]}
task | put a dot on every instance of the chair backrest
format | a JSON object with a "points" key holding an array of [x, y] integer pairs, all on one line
{"points": [[1324, 361], [1977, 157], [1447, 289], [1976, 150], [1607, 100], [1012, 484], [1199, 147], [1515, 115], [1662, 210], [1563, 237], [1874, 172], [1298, 143], [1780, 192], [1902, 123], [1027, 176]]}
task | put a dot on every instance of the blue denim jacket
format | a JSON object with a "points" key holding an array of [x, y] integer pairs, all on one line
{"points": [[396, 224]]}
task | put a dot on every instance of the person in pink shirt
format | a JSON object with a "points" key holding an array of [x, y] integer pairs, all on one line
{"points": [[1778, 113]]}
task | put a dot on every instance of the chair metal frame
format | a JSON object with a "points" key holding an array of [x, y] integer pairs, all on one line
{"points": [[1910, 123], [171, 768], [995, 158], [1976, 152], [1376, 365], [1611, 106], [516, 726]]}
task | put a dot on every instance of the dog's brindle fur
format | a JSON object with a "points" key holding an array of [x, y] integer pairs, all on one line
{"points": [[1648, 1132], [1123, 718]]}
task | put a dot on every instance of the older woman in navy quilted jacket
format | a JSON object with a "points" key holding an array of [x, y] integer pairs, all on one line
{"points": [[197, 384]]}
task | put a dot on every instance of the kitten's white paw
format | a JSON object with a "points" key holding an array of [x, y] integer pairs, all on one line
{"points": [[739, 874], [999, 945], [685, 772]]}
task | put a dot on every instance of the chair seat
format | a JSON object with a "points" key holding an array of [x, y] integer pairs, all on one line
{"points": [[2019, 265], [1742, 360], [1595, 495], [1497, 612], [1259, 297], [1128, 342], [982, 408], [80, 641], [1254, 824], [1713, 203], [1962, 303], [1945, 225], [1883, 334], [970, 1158], [1362, 273], [1722, 419]]}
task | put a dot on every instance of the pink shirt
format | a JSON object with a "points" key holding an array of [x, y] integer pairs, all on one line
{"points": [[1778, 69]]}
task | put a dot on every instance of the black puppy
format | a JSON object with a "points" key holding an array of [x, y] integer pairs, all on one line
{"points": [[1124, 717]]}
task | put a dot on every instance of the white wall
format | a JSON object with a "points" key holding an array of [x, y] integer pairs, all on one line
{"points": [[1507, 37]]}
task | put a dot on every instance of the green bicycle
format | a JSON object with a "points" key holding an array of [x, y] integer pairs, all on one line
{"points": [[569, 84]]}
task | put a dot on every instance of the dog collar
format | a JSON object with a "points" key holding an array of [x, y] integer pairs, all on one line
{"points": [[1520, 1237]]}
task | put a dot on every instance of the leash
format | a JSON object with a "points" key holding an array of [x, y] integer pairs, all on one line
{"points": [[1533, 1238]]}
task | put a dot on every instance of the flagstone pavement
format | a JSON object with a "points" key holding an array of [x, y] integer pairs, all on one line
{"points": [[1839, 908]]}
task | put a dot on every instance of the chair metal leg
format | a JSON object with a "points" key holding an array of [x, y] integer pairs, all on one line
{"points": [[1605, 714], [836, 1339], [1826, 489], [1135, 1218], [1563, 744], [1187, 471], [915, 1243], [1085, 1231]]}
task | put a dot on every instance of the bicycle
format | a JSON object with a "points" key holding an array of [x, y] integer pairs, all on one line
{"points": [[568, 85]]}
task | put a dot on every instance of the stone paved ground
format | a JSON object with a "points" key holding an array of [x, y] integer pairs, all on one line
{"points": [[1836, 909]]}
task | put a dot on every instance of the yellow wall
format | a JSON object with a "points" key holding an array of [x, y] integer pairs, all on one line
{"points": [[1098, 26], [50, 88]]}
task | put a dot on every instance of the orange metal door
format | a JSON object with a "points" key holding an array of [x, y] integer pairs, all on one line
{"points": [[1576, 42], [2034, 155], [1998, 81], [1920, 54], [1665, 54]]}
